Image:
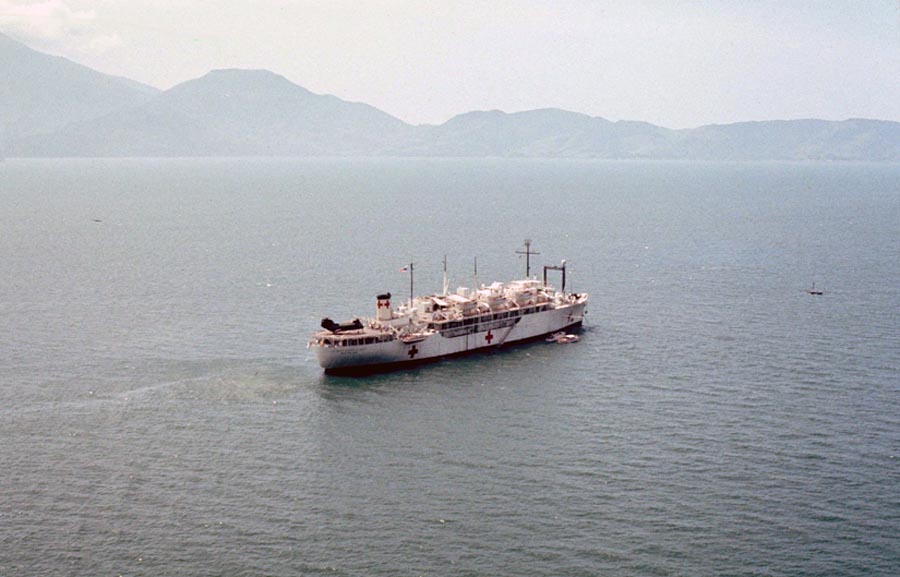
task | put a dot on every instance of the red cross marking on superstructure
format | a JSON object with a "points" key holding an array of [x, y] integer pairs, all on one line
{"points": [[413, 351], [489, 337], [385, 304]]}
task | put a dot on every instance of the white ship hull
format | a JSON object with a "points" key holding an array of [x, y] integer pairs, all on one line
{"points": [[482, 335], [443, 325]]}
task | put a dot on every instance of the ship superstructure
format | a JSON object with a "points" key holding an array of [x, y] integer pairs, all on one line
{"points": [[435, 326]]}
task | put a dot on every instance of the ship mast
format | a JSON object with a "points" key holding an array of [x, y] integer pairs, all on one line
{"points": [[410, 284], [446, 284], [527, 254], [562, 269]]}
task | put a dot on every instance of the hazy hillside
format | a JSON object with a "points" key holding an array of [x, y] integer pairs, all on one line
{"points": [[496, 133], [855, 139], [228, 113], [42, 93], [53, 107], [544, 133]]}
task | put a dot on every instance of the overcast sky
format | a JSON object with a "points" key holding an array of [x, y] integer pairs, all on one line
{"points": [[676, 64]]}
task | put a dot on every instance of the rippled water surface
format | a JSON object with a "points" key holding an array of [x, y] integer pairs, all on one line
{"points": [[160, 415]]}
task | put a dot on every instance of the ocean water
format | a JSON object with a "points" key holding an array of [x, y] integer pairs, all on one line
{"points": [[160, 415]]}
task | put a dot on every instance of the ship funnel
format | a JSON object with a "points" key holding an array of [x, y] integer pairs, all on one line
{"points": [[384, 307]]}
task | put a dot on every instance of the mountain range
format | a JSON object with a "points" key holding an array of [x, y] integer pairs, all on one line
{"points": [[52, 107]]}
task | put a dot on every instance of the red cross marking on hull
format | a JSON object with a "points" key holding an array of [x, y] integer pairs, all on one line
{"points": [[489, 337], [413, 351]]}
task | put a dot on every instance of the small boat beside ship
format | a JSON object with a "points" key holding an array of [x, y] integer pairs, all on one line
{"points": [[562, 338], [436, 326]]}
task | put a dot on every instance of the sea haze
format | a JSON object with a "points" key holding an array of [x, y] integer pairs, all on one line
{"points": [[160, 414]]}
